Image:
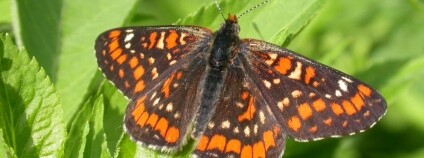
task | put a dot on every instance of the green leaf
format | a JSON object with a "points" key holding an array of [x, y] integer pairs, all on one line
{"points": [[30, 113], [38, 22], [297, 15], [82, 21], [5, 150], [77, 137], [96, 142]]}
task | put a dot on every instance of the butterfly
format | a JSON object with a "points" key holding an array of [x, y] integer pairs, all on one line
{"points": [[236, 97]]}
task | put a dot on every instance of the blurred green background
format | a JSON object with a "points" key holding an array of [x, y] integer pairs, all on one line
{"points": [[379, 42]]}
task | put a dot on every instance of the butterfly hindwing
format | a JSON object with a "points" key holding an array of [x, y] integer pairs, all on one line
{"points": [[135, 59], [242, 125], [161, 119], [310, 100]]}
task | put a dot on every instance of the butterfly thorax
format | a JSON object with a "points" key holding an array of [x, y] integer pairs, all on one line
{"points": [[226, 39]]}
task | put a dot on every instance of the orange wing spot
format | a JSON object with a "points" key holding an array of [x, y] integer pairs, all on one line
{"points": [[357, 101], [337, 109], [138, 72], [139, 86], [179, 75], [143, 118], [310, 73], [162, 126], [121, 73], [121, 59], [313, 129], [233, 145], [171, 39], [166, 86], [140, 101], [153, 119], [248, 114], [246, 152], [294, 123], [114, 33], [319, 105], [244, 95], [115, 54], [152, 39], [139, 108], [268, 139], [259, 150], [364, 90], [283, 65], [113, 45], [305, 111], [348, 107], [217, 142], [328, 121], [133, 62], [203, 143], [172, 135]]}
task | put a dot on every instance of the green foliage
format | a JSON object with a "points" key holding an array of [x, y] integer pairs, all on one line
{"points": [[54, 101]]}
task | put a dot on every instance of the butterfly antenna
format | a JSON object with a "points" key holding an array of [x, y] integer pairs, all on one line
{"points": [[245, 12], [219, 8]]}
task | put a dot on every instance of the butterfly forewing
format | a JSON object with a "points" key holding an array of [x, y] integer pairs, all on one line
{"points": [[159, 69], [311, 101], [136, 59], [242, 125]]}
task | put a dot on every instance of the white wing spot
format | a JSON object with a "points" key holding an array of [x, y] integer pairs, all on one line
{"points": [[267, 84], [168, 56], [297, 72], [262, 117], [177, 115], [247, 131], [236, 130], [240, 105], [276, 81], [176, 85], [338, 93], [296, 93], [156, 101], [129, 30], [172, 62], [153, 96], [160, 42], [155, 74], [151, 60], [342, 85], [211, 125], [328, 96], [169, 107], [182, 42], [128, 37], [225, 124], [255, 129], [347, 79], [128, 45]]}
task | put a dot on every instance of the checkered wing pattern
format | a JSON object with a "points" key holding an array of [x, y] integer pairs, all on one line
{"points": [[311, 101], [243, 124], [159, 69]]}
